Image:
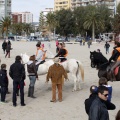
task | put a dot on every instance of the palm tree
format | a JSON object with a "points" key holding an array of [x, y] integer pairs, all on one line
{"points": [[17, 28], [93, 20], [5, 24], [27, 28], [51, 22]]}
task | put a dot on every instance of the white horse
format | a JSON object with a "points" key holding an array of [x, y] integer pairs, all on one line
{"points": [[72, 66]]}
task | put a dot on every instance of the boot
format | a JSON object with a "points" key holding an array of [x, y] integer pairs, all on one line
{"points": [[32, 92], [29, 91]]}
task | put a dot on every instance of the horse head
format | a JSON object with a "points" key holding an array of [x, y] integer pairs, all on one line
{"points": [[25, 58], [93, 58]]}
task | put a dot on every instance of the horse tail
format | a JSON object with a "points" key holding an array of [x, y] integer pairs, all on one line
{"points": [[81, 69]]}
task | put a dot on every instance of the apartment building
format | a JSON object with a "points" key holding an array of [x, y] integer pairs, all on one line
{"points": [[5, 8], [27, 17], [22, 17], [59, 4], [110, 3], [62, 4]]}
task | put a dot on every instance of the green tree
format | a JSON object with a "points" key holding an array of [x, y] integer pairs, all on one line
{"points": [[116, 21], [79, 16], [27, 28], [66, 22], [51, 21], [5, 24], [41, 21], [93, 19]]}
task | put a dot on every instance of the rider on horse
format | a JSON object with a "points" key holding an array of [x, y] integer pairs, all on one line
{"points": [[62, 54], [40, 55], [115, 57]]}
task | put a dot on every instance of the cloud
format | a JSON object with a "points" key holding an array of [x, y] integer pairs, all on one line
{"points": [[33, 6]]}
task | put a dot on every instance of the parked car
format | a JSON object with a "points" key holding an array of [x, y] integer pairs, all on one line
{"points": [[40, 39], [78, 39], [46, 39]]}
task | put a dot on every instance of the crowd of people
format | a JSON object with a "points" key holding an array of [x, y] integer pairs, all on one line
{"points": [[99, 101], [17, 72]]}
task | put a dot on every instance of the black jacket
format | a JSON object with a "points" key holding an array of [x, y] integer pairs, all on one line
{"points": [[107, 45], [92, 97], [61, 53], [31, 68], [17, 71], [8, 47], [3, 78], [98, 110], [115, 55], [4, 45]]}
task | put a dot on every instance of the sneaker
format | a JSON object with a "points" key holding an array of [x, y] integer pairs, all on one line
{"points": [[23, 104], [14, 105], [52, 100], [3, 101], [8, 92]]}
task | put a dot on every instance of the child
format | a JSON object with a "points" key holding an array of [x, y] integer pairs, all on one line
{"points": [[3, 82], [103, 81]]}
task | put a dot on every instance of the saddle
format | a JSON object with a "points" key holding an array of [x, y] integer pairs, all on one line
{"points": [[112, 74]]}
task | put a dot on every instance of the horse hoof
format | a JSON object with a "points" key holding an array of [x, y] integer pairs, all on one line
{"points": [[78, 89], [73, 90]]}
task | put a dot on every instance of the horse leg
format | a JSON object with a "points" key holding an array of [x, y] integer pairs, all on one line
{"points": [[78, 81], [75, 80]]}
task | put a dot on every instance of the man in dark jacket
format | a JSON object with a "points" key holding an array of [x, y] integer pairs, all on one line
{"points": [[92, 97], [4, 45], [8, 48], [107, 45], [17, 73], [3, 82], [98, 109]]}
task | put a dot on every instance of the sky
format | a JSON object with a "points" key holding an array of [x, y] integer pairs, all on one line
{"points": [[33, 6]]}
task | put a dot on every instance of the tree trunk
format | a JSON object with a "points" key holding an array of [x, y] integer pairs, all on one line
{"points": [[93, 32]]}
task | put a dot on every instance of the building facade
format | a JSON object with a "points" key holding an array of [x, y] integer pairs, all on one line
{"points": [[62, 4], [22, 17], [5, 8], [71, 4]]}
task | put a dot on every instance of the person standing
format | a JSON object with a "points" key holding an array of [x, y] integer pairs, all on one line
{"points": [[103, 82], [107, 45], [56, 73], [98, 109], [8, 48], [17, 73], [92, 97], [89, 43], [3, 82], [32, 73], [4, 45]]}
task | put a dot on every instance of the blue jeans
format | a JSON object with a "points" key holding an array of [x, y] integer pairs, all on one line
{"points": [[32, 80], [107, 50]]}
